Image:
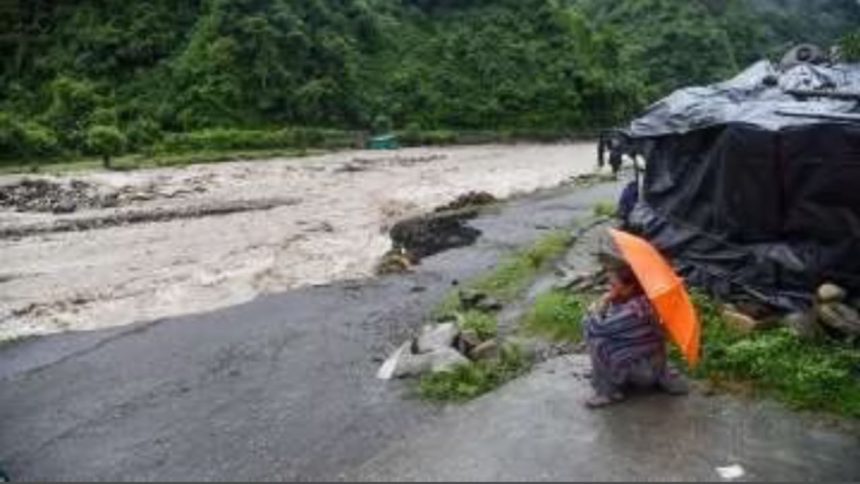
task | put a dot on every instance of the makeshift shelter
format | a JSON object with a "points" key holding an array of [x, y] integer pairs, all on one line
{"points": [[752, 186]]}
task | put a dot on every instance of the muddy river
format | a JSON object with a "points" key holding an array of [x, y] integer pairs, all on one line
{"points": [[144, 245]]}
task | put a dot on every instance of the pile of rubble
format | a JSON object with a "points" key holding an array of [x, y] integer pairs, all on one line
{"points": [[834, 314], [443, 346], [39, 195]]}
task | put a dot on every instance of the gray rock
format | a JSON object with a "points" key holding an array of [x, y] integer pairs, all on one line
{"points": [[831, 293], [841, 317], [744, 323], [470, 298], [467, 341], [487, 350], [803, 324], [403, 363], [530, 348], [435, 337], [489, 305], [446, 359]]}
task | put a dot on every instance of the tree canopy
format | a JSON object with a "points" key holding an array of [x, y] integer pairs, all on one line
{"points": [[157, 68]]}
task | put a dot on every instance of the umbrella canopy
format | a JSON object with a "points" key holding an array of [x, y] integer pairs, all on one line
{"points": [[664, 289]]}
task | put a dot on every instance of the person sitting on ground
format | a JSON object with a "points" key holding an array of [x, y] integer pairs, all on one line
{"points": [[626, 342]]}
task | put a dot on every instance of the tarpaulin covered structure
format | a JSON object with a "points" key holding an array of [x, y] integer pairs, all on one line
{"points": [[752, 186]]}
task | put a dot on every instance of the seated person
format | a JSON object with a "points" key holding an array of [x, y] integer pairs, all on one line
{"points": [[625, 341]]}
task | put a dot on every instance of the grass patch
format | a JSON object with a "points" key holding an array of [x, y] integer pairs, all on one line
{"points": [[805, 375], [605, 209], [485, 325], [472, 380], [557, 315], [514, 275]]}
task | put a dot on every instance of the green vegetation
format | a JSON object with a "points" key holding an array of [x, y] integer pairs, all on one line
{"points": [[807, 375], [605, 209], [557, 315], [105, 141], [175, 76], [483, 324], [851, 47], [466, 382], [505, 283], [819, 375], [515, 274], [510, 278]]}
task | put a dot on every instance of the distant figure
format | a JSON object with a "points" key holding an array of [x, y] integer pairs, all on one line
{"points": [[611, 142], [626, 342]]}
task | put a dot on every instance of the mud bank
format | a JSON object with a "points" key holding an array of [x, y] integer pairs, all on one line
{"points": [[163, 265]]}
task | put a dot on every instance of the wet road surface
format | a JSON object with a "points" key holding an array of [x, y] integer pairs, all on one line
{"points": [[536, 429], [276, 389]]}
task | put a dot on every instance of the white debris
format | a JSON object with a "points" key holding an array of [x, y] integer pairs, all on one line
{"points": [[731, 472], [435, 337]]}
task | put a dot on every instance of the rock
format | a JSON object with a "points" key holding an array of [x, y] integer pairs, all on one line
{"points": [[389, 366], [530, 348], [402, 363], [743, 323], [803, 324], [395, 261], [446, 359], [487, 350], [434, 337], [470, 299], [489, 305], [831, 293], [841, 317], [467, 341]]}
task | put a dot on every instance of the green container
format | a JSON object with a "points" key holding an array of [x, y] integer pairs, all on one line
{"points": [[384, 142]]}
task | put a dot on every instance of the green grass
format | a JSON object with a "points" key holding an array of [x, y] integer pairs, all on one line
{"points": [[557, 315], [605, 209], [806, 375], [485, 325], [506, 282], [472, 380], [514, 274]]}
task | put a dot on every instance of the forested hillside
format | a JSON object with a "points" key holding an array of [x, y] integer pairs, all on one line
{"points": [[89, 76]]}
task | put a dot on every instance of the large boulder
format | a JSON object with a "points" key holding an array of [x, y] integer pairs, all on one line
{"points": [[828, 293], [840, 317], [804, 324]]}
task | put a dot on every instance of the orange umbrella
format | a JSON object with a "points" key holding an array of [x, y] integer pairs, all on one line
{"points": [[665, 290]]}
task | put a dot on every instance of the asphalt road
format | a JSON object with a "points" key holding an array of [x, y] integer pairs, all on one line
{"points": [[536, 429], [281, 388]]}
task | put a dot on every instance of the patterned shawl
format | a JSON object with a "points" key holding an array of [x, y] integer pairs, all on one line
{"points": [[624, 334]]}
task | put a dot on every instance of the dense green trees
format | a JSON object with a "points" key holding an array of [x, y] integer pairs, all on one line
{"points": [[151, 71]]}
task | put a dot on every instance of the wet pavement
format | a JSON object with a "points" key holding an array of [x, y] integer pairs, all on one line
{"points": [[278, 388], [536, 428]]}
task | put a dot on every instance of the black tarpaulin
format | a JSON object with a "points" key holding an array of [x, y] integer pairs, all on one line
{"points": [[748, 200]]}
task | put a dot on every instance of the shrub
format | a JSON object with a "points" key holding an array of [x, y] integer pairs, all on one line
{"points": [[39, 141], [105, 141]]}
